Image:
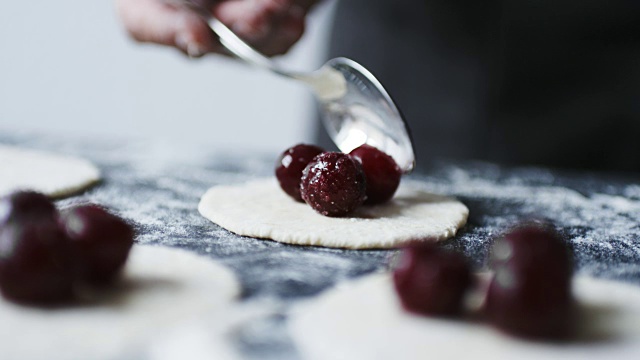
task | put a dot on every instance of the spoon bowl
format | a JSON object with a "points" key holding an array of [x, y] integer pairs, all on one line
{"points": [[366, 113]]}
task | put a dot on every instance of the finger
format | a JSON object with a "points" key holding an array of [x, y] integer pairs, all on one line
{"points": [[163, 23], [284, 34], [252, 19], [243, 17], [271, 26], [276, 8]]}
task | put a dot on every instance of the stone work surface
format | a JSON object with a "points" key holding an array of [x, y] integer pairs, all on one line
{"points": [[157, 186]]}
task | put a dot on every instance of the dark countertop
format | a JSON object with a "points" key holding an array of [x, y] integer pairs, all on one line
{"points": [[158, 186]]}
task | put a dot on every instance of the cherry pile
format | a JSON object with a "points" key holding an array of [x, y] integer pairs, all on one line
{"points": [[529, 294], [45, 254], [335, 184]]}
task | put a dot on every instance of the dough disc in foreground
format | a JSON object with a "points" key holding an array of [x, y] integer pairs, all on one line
{"points": [[161, 287], [261, 209], [364, 320], [54, 175]]}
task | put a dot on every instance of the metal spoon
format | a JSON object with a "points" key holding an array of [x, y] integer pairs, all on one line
{"points": [[356, 108]]}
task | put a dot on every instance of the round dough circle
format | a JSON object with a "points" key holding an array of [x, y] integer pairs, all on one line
{"points": [[53, 175], [364, 320], [161, 287], [261, 209]]}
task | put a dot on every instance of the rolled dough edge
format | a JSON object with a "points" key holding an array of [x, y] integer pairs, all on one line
{"points": [[292, 238]]}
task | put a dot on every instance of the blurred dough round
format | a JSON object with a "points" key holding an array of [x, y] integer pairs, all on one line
{"points": [[364, 320], [261, 209], [51, 174], [161, 287]]}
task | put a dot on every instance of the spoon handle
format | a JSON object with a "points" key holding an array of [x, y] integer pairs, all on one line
{"points": [[322, 81], [242, 50]]}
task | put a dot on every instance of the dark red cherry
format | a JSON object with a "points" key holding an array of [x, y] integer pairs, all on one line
{"points": [[530, 293], [290, 166], [431, 281], [333, 184], [35, 263], [100, 242], [26, 205], [383, 174]]}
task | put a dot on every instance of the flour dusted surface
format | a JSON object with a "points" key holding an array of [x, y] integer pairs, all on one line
{"points": [[158, 187], [261, 209]]}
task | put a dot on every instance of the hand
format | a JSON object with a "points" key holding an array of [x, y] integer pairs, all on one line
{"points": [[271, 26]]}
